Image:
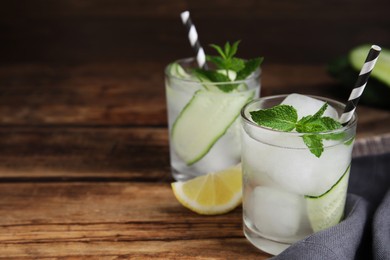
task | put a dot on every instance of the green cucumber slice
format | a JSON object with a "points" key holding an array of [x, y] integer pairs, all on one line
{"points": [[217, 87], [205, 118], [177, 71], [327, 209], [208, 85], [382, 67]]}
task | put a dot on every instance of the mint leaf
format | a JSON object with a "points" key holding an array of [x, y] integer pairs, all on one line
{"points": [[314, 143], [214, 76], [235, 64], [227, 87], [227, 49], [317, 123], [232, 49], [330, 123], [334, 136], [226, 61], [280, 117], [314, 124], [217, 60], [210, 75], [219, 50], [320, 112], [284, 118], [312, 119], [310, 125], [249, 67]]}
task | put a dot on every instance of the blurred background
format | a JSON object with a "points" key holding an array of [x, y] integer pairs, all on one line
{"points": [[101, 62], [287, 31]]}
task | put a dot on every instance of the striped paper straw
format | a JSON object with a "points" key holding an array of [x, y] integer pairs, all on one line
{"points": [[360, 84], [194, 39]]}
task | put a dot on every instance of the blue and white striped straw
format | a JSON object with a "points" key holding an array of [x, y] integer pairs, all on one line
{"points": [[194, 39], [360, 84]]}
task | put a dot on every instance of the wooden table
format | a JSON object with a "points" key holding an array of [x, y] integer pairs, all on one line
{"points": [[84, 156], [84, 163]]}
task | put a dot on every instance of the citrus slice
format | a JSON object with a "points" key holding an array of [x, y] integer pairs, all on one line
{"points": [[213, 193]]}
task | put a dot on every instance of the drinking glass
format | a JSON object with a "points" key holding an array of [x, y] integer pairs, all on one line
{"points": [[288, 192], [203, 119]]}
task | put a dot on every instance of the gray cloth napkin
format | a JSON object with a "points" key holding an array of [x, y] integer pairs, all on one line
{"points": [[365, 231]]}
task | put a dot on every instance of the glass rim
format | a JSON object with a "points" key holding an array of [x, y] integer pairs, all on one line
{"points": [[254, 75], [351, 123]]}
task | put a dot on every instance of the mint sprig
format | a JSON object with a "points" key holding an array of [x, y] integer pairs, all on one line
{"points": [[226, 61], [285, 118]]}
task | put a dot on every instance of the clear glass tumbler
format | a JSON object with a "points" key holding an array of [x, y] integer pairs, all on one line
{"points": [[203, 119], [288, 192]]}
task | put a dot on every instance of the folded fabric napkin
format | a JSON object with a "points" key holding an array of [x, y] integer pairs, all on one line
{"points": [[365, 231]]}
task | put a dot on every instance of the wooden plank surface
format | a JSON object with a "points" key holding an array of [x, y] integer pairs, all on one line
{"points": [[112, 220], [104, 154], [133, 94], [84, 155], [84, 158]]}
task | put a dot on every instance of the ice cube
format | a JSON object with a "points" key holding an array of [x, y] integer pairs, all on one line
{"points": [[308, 106], [277, 213], [300, 171], [177, 99], [253, 155], [286, 159], [226, 152]]}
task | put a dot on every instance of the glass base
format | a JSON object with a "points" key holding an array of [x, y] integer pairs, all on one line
{"points": [[264, 244], [182, 176]]}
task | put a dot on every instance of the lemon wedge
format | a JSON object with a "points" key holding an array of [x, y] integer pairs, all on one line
{"points": [[213, 193]]}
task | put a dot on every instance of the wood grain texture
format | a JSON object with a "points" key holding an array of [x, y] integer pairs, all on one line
{"points": [[101, 94], [133, 94], [113, 220], [84, 155], [104, 154]]}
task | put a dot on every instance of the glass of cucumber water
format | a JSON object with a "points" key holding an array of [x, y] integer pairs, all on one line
{"points": [[296, 159], [203, 110]]}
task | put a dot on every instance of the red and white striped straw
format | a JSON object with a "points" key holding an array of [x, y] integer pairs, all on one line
{"points": [[194, 39], [360, 84]]}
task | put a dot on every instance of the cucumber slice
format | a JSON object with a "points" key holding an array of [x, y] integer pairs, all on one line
{"points": [[242, 87], [204, 120], [213, 86], [177, 71], [382, 67], [216, 87], [208, 85], [327, 209]]}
